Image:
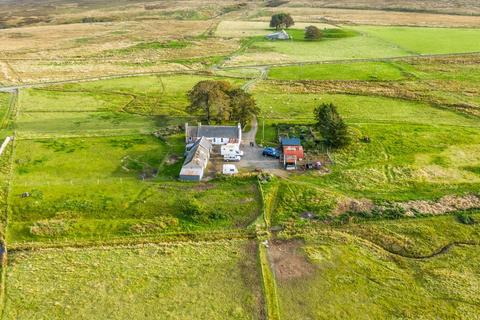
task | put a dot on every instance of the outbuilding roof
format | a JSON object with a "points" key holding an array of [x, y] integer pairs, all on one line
{"points": [[291, 142], [199, 154]]}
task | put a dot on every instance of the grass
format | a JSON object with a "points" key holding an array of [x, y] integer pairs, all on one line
{"points": [[211, 280], [361, 42], [357, 47], [371, 71], [416, 237], [109, 107], [377, 284], [74, 188], [416, 151], [418, 40]]}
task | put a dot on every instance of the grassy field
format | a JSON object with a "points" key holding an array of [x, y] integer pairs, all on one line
{"points": [[76, 192], [98, 226], [210, 280], [122, 106], [416, 151], [360, 42], [426, 40], [375, 283], [347, 71]]}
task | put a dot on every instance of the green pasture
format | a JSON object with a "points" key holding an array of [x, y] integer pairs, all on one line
{"points": [[361, 42], [184, 281], [416, 151], [371, 71], [121, 106], [377, 284], [278, 106], [71, 124], [357, 47], [98, 188], [421, 40], [155, 95]]}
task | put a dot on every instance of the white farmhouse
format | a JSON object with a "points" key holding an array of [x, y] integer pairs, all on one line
{"points": [[217, 135]]}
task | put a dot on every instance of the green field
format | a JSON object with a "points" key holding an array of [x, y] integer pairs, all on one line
{"points": [[77, 192], [416, 151], [360, 42], [426, 40], [208, 280], [345, 71], [376, 284], [96, 224]]}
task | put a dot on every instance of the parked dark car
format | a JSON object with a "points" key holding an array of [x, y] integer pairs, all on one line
{"points": [[271, 152]]}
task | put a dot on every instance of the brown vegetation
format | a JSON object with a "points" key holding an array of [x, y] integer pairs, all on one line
{"points": [[288, 260]]}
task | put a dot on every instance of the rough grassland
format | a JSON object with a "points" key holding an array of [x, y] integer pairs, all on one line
{"points": [[186, 281], [427, 40], [377, 284]]}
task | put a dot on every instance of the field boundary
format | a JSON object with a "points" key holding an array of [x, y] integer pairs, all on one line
{"points": [[269, 285]]}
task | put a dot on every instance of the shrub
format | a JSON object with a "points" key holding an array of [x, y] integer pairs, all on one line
{"points": [[312, 33], [465, 218]]}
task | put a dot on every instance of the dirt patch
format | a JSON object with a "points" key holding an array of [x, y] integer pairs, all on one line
{"points": [[354, 205], [288, 260], [443, 205]]}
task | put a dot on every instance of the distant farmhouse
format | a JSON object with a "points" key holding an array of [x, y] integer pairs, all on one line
{"points": [[199, 144], [280, 35]]}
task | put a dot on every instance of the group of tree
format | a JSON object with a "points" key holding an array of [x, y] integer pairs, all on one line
{"points": [[281, 21], [313, 33], [331, 125], [218, 101]]}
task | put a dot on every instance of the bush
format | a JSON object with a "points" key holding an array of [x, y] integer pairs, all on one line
{"points": [[312, 33], [465, 218], [197, 212]]}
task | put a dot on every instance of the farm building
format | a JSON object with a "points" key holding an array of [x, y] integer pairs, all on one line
{"points": [[280, 35], [196, 162], [217, 135], [292, 152]]}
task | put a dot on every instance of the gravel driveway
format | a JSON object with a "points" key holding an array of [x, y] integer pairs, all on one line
{"points": [[253, 158]]}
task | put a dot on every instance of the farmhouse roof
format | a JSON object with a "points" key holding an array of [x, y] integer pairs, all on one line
{"points": [[231, 132], [291, 142], [199, 154]]}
